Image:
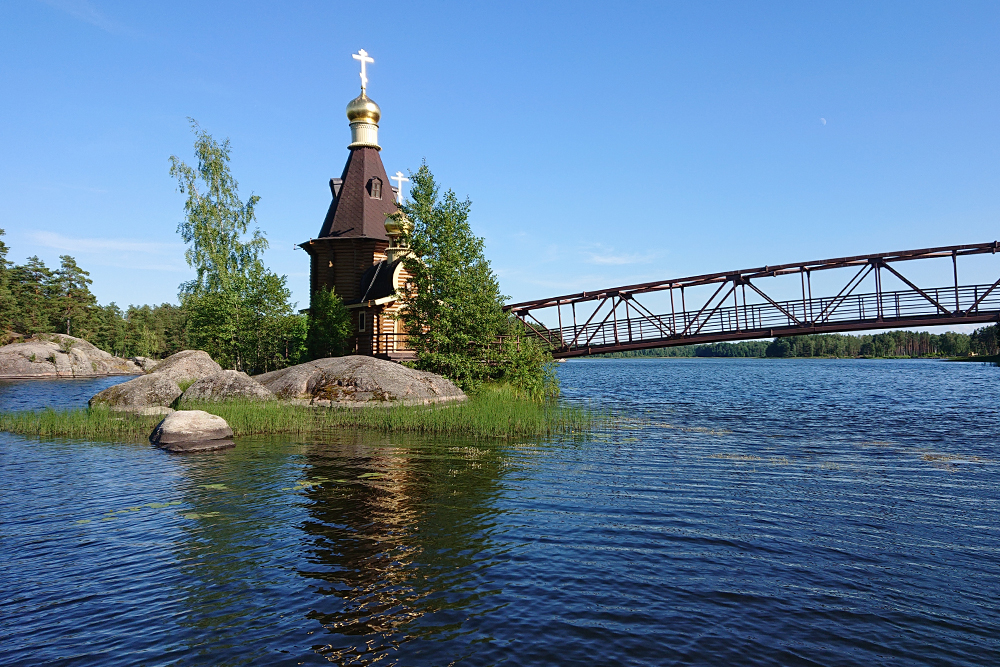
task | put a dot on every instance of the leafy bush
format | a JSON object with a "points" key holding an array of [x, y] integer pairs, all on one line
{"points": [[329, 325]]}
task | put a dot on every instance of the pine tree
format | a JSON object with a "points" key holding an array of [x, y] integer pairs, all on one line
{"points": [[72, 299], [31, 286], [8, 306]]}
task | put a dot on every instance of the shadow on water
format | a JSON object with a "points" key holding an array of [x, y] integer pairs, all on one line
{"points": [[397, 533], [389, 541]]}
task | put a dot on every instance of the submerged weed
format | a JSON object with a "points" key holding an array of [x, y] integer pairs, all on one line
{"points": [[735, 457]]}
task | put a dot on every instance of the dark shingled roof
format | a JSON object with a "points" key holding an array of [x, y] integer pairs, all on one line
{"points": [[376, 282], [353, 212]]}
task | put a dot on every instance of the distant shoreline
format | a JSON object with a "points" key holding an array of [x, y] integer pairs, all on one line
{"points": [[983, 359]]}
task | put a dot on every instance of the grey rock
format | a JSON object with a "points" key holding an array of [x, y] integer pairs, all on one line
{"points": [[156, 410], [187, 366], [143, 392], [194, 447], [192, 431], [145, 363], [226, 385], [356, 380], [59, 355]]}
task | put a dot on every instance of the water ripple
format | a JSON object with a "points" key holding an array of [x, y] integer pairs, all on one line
{"points": [[742, 511]]}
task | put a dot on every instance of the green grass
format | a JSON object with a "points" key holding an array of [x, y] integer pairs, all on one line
{"points": [[493, 412], [96, 424]]}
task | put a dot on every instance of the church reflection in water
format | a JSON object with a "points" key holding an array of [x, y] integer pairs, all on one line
{"points": [[399, 538]]}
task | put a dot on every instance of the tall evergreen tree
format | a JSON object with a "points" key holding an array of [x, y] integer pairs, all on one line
{"points": [[31, 285], [453, 311], [8, 306], [72, 299]]}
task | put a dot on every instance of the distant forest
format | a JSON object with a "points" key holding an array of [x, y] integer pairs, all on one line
{"points": [[37, 299], [892, 344]]}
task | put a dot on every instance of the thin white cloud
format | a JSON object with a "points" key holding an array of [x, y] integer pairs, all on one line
{"points": [[82, 10], [590, 282], [96, 246], [606, 256], [618, 260]]}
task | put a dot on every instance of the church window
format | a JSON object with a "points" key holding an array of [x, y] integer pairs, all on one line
{"points": [[375, 188], [361, 321]]}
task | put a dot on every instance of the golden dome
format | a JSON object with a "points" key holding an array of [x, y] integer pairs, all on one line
{"points": [[363, 109], [398, 224]]}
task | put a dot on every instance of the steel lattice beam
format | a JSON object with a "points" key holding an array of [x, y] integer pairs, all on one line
{"points": [[637, 327]]}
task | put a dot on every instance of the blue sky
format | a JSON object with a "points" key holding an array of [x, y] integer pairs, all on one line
{"points": [[600, 143]]}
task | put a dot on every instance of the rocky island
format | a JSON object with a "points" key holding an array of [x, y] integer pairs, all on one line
{"points": [[60, 356]]}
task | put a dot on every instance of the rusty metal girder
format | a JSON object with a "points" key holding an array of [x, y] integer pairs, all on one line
{"points": [[759, 272], [714, 321]]}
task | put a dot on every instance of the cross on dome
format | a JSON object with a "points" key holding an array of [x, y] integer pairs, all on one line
{"points": [[362, 56], [399, 178]]}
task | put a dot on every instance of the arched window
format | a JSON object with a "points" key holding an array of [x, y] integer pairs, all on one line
{"points": [[375, 188]]}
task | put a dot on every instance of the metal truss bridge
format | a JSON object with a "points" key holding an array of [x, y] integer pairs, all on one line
{"points": [[736, 305]]}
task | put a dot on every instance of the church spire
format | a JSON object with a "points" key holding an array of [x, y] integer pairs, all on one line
{"points": [[362, 112]]}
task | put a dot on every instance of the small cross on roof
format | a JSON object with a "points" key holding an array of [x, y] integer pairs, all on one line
{"points": [[399, 178], [362, 55]]}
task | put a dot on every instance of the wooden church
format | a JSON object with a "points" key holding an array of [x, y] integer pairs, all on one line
{"points": [[359, 250]]}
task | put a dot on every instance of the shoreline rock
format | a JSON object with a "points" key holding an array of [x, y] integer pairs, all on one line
{"points": [[226, 385], [147, 391], [187, 366], [161, 386], [186, 431], [60, 356], [145, 363], [357, 381]]}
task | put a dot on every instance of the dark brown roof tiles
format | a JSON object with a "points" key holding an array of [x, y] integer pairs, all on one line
{"points": [[354, 212]]}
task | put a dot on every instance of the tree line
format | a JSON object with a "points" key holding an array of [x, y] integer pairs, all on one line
{"points": [[984, 342], [37, 299]]}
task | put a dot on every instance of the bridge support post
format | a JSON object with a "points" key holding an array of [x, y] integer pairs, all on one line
{"points": [[954, 263]]}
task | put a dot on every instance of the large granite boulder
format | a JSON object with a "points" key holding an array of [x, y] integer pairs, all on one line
{"points": [[187, 366], [226, 385], [192, 431], [356, 381], [135, 395], [59, 355], [145, 363]]}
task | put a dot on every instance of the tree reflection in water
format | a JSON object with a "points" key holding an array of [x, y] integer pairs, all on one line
{"points": [[400, 539]]}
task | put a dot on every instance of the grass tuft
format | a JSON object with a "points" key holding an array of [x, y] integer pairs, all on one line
{"points": [[492, 412], [90, 424]]}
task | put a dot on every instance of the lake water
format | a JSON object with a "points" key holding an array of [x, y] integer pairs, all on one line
{"points": [[763, 512]]}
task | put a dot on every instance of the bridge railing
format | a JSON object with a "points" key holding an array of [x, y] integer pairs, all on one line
{"points": [[765, 318], [618, 319]]}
